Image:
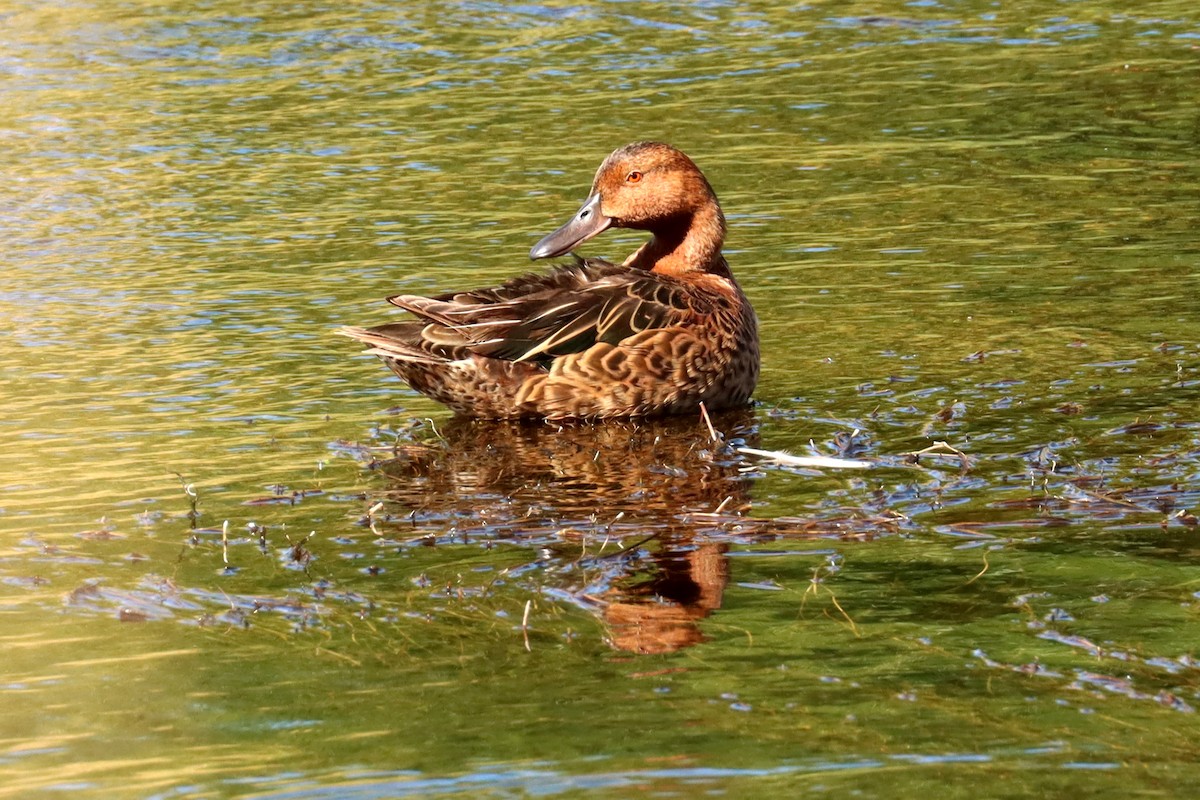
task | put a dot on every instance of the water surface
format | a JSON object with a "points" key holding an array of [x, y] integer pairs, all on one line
{"points": [[961, 222]]}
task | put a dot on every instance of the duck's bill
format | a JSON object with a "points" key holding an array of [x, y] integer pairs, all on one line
{"points": [[586, 223]]}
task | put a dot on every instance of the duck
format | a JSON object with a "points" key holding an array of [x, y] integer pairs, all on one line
{"points": [[661, 333]]}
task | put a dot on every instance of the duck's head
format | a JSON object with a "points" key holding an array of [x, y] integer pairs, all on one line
{"points": [[646, 185]]}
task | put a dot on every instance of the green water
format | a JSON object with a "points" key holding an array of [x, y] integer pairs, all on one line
{"points": [[964, 222]]}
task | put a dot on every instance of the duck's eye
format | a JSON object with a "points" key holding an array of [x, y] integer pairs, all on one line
{"points": [[633, 177]]}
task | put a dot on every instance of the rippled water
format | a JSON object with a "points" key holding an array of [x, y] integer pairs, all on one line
{"points": [[239, 559]]}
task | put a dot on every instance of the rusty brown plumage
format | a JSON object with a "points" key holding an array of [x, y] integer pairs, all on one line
{"points": [[659, 334]]}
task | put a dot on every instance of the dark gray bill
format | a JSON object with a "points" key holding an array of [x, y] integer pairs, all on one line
{"points": [[586, 223]]}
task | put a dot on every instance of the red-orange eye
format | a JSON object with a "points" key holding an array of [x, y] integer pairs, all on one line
{"points": [[633, 177]]}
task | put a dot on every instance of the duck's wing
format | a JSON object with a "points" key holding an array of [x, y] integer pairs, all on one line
{"points": [[539, 318], [563, 278]]}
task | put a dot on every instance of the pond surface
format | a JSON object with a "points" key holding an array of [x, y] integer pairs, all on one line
{"points": [[238, 558]]}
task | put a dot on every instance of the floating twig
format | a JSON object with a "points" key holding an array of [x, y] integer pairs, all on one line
{"points": [[849, 619], [193, 498], [789, 460], [717, 511], [371, 518], [941, 448], [712, 432], [814, 588], [981, 572], [525, 625]]}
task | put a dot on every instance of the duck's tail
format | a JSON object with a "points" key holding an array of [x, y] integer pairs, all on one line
{"points": [[383, 342]]}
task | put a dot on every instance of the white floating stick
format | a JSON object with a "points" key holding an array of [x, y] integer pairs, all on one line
{"points": [[787, 459]]}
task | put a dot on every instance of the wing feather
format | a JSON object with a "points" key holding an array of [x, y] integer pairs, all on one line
{"points": [[537, 318]]}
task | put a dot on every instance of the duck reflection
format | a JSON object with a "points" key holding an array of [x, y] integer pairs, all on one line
{"points": [[631, 518], [660, 613]]}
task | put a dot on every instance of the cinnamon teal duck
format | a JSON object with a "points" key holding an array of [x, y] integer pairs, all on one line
{"points": [[661, 333]]}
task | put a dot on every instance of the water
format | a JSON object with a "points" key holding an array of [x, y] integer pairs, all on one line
{"points": [[971, 223]]}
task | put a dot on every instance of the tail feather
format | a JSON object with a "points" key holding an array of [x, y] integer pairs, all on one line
{"points": [[380, 344]]}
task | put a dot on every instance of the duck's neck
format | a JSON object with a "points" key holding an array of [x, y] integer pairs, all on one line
{"points": [[688, 245]]}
